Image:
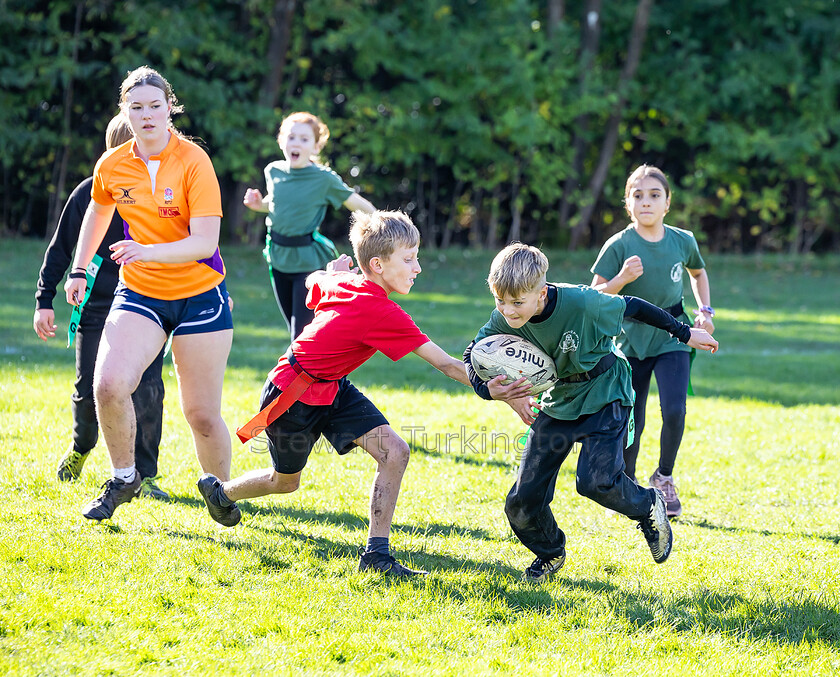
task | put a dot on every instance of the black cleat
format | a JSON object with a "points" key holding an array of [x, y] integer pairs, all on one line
{"points": [[209, 487], [149, 489], [386, 564], [657, 529], [543, 569], [116, 493], [71, 464]]}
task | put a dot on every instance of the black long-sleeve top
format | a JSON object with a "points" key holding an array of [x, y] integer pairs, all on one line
{"points": [[636, 309], [59, 253]]}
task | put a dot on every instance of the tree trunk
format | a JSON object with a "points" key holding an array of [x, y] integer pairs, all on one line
{"points": [[421, 220], [802, 241], [556, 11], [493, 225], [515, 233], [280, 25], [59, 177], [475, 222], [590, 37], [452, 222], [431, 210], [628, 72]]}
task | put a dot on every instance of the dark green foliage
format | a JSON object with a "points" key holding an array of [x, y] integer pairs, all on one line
{"points": [[461, 112]]}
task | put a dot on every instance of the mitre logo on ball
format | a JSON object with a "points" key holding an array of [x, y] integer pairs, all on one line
{"points": [[513, 357]]}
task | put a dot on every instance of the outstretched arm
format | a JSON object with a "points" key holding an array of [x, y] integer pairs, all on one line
{"points": [[442, 361], [642, 311]]}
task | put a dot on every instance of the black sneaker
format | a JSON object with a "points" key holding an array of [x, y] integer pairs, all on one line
{"points": [[226, 515], [116, 493], [71, 464], [386, 564], [657, 529], [543, 569]]}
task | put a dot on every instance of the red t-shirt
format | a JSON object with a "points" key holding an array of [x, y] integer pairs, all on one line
{"points": [[353, 319]]}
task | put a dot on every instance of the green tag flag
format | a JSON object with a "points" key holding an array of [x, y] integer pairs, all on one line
{"points": [[76, 314], [690, 365]]}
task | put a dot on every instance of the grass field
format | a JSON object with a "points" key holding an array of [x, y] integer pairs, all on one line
{"points": [[752, 587]]}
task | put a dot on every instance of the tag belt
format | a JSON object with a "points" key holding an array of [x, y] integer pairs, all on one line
{"points": [[280, 404], [603, 364], [291, 240]]}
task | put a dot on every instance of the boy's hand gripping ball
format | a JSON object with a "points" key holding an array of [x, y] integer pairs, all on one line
{"points": [[514, 357]]}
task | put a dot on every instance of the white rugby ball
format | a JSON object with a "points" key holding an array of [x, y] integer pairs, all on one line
{"points": [[514, 357]]}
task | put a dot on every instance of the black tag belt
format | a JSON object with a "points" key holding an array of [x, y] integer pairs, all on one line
{"points": [[603, 364], [291, 240]]}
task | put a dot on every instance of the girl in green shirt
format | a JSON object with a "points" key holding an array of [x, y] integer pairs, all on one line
{"points": [[647, 260], [299, 190]]}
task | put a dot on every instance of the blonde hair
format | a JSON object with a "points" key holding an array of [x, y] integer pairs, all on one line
{"points": [[117, 132], [518, 269], [379, 234], [319, 129]]}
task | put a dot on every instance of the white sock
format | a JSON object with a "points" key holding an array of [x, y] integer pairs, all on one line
{"points": [[127, 475]]}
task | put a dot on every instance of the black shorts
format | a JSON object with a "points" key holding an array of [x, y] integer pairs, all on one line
{"points": [[293, 435]]}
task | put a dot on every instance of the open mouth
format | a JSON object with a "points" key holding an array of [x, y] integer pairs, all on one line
{"points": [[294, 154]]}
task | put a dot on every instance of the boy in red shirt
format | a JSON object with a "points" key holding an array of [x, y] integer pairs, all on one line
{"points": [[353, 319]]}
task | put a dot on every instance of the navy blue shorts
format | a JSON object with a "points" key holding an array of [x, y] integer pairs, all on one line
{"points": [[199, 314], [293, 435]]}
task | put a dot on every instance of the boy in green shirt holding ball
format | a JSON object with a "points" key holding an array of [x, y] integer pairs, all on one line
{"points": [[590, 403]]}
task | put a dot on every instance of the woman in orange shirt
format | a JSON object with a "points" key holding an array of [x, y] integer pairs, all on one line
{"points": [[171, 282]]}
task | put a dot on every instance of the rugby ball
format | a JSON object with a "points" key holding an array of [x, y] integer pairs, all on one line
{"points": [[514, 357]]}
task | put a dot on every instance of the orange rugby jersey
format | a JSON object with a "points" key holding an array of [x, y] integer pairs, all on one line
{"points": [[185, 186]]}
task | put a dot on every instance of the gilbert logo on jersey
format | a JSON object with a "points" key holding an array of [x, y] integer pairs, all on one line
{"points": [[125, 198]]}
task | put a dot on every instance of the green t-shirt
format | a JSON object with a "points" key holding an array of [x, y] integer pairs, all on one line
{"points": [[661, 283], [297, 203], [577, 334]]}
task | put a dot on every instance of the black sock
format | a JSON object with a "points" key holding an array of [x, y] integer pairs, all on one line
{"points": [[222, 498], [377, 544]]}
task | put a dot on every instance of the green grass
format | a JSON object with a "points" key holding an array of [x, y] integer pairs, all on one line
{"points": [[752, 587]]}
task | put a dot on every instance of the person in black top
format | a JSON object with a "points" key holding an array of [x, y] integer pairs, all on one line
{"points": [[86, 331]]}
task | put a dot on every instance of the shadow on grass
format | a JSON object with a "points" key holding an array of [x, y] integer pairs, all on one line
{"points": [[274, 556], [733, 615], [353, 521], [706, 524], [346, 520]]}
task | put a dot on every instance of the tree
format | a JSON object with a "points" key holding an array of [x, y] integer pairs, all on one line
{"points": [[628, 72], [279, 35]]}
